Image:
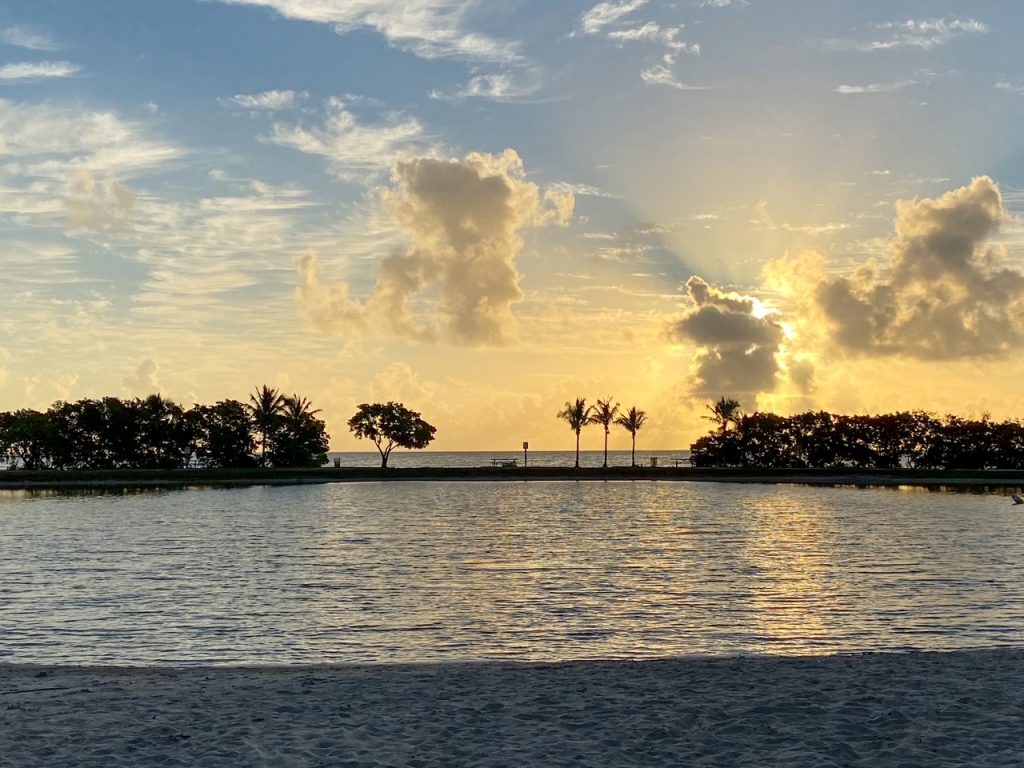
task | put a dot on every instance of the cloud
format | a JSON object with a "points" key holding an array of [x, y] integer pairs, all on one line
{"points": [[96, 204], [5, 357], [655, 33], [428, 28], [922, 34], [329, 308], [945, 293], [739, 346], [267, 101], [661, 74], [926, 33], [1015, 88], [892, 87], [37, 70], [580, 190], [100, 140], [604, 14], [145, 380], [501, 87], [463, 220], [604, 19], [30, 38], [353, 148]]}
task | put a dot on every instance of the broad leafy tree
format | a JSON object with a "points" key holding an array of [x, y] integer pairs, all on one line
{"points": [[26, 438], [164, 439], [222, 434], [631, 421], [391, 425], [577, 416]]}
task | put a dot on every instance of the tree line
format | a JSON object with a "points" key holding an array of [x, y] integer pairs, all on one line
{"points": [[271, 430], [818, 439], [605, 413]]}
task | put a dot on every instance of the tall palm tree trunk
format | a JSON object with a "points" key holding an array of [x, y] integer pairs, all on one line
{"points": [[577, 449], [606, 448], [632, 460]]}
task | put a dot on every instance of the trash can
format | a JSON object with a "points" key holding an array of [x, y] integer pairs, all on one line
{"points": [[337, 463], [654, 461]]}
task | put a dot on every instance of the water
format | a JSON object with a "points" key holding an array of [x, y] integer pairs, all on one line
{"points": [[666, 458], [506, 570]]}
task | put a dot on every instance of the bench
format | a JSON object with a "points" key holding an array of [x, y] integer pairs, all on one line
{"points": [[504, 462]]}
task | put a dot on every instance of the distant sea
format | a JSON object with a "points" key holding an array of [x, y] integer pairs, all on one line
{"points": [[666, 458]]}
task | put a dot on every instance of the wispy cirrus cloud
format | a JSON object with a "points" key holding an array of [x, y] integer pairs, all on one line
{"points": [[926, 33], [604, 14], [653, 32], [922, 34], [1015, 88], [353, 148], [579, 190], [267, 101], [428, 28], [891, 87], [49, 135], [37, 70], [610, 20], [502, 87], [664, 75], [29, 38]]}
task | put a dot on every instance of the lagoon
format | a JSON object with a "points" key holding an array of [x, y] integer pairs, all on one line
{"points": [[433, 571]]}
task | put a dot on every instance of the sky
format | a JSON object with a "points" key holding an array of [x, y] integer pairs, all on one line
{"points": [[484, 209]]}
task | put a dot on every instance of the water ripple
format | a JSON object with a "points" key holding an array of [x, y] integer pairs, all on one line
{"points": [[530, 571]]}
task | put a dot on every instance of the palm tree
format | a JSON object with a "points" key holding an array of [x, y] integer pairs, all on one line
{"points": [[578, 416], [604, 413], [266, 406], [724, 412], [295, 409], [631, 421]]}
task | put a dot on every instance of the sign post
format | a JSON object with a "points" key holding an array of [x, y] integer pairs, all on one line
{"points": [[526, 447]]}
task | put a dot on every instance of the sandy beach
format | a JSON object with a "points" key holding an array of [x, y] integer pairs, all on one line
{"points": [[928, 710]]}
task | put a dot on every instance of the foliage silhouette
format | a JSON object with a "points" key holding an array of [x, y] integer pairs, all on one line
{"points": [[604, 413], [577, 416], [390, 425], [820, 440], [631, 421], [724, 412], [222, 435], [157, 433], [299, 438], [265, 406]]}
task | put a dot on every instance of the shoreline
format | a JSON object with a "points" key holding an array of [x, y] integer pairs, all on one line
{"points": [[128, 479], [877, 709]]}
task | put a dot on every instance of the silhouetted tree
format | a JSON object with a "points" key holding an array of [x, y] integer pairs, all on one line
{"points": [[604, 413], [766, 440], [577, 416], [26, 438], [222, 434], [300, 439], [390, 425], [724, 412], [265, 405], [631, 421], [164, 439]]}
